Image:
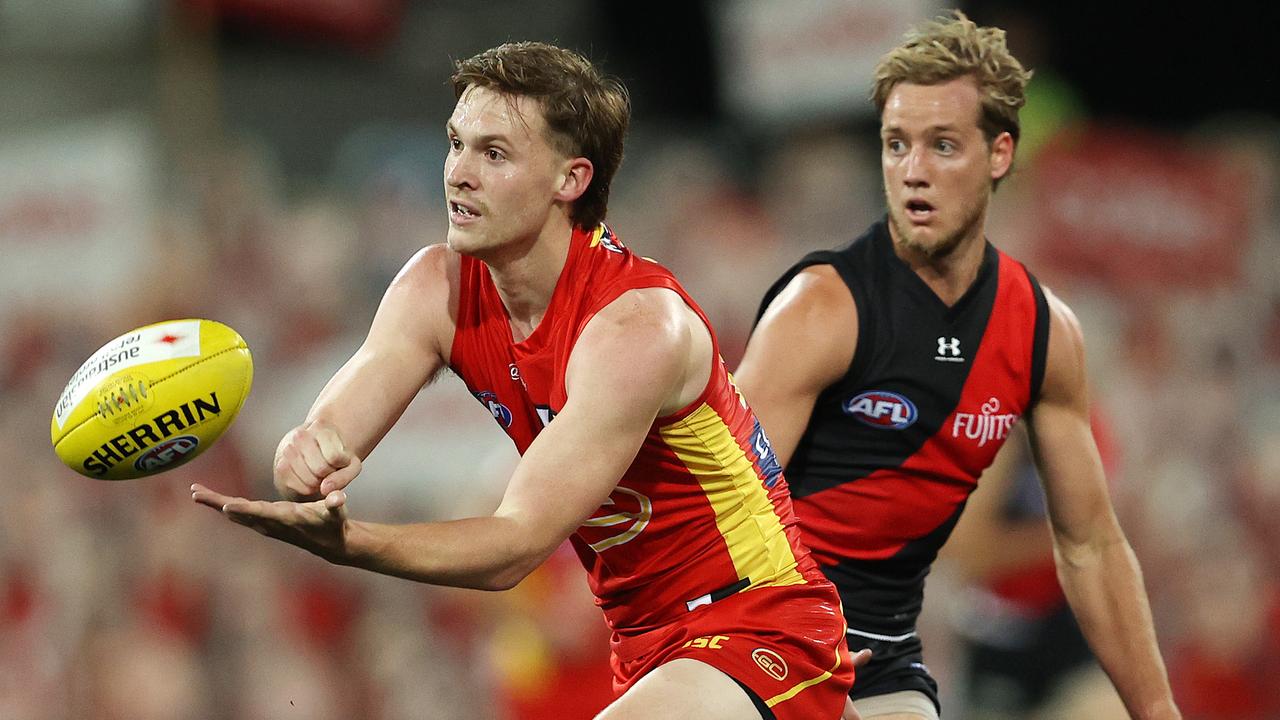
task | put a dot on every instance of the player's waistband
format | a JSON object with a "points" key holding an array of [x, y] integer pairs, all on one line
{"points": [[628, 645], [717, 595], [883, 637]]}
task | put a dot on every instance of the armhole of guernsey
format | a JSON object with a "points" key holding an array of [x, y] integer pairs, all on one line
{"points": [[843, 264], [1040, 342], [467, 310], [839, 260]]}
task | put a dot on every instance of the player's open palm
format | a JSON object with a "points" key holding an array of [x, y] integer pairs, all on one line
{"points": [[312, 461], [319, 527]]}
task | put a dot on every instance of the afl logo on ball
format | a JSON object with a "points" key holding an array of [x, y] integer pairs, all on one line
{"points": [[167, 452], [881, 409], [771, 663]]}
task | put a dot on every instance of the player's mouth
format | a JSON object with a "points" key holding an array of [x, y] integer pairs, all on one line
{"points": [[461, 213], [919, 211]]}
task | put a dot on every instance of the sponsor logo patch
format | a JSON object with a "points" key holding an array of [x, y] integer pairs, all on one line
{"points": [[882, 409], [990, 425]]}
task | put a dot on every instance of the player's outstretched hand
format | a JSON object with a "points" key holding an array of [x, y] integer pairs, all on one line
{"points": [[319, 527], [860, 658], [312, 461]]}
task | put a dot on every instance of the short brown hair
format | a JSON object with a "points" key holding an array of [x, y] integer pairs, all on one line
{"points": [[586, 112], [953, 47]]}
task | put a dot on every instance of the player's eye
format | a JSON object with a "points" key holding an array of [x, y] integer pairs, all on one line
{"points": [[494, 154], [455, 143]]}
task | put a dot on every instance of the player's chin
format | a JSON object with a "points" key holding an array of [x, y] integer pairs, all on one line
{"points": [[462, 240]]}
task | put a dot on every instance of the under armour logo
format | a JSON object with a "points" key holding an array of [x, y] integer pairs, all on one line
{"points": [[948, 350]]}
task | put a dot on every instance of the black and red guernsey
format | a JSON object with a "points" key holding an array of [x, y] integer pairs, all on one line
{"points": [[894, 448]]}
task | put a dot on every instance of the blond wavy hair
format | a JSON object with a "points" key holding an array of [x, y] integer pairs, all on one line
{"points": [[951, 47]]}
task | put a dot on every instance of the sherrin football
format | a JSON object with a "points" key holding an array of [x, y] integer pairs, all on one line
{"points": [[152, 399]]}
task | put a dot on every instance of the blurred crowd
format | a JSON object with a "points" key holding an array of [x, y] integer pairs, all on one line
{"points": [[127, 601]]}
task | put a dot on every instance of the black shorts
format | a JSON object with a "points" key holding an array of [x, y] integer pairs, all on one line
{"points": [[896, 665]]}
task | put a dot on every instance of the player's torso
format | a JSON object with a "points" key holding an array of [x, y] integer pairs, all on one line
{"points": [[701, 511], [894, 448]]}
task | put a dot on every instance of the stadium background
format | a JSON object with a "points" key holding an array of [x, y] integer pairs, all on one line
{"points": [[271, 163]]}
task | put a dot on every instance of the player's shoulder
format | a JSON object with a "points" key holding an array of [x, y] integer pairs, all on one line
{"points": [[646, 310], [422, 299], [430, 266], [817, 293], [1063, 321], [1064, 377]]}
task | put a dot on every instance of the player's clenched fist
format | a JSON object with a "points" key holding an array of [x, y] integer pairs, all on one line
{"points": [[312, 462]]}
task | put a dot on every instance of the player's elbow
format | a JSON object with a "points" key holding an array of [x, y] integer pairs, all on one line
{"points": [[1091, 549], [511, 573], [521, 556]]}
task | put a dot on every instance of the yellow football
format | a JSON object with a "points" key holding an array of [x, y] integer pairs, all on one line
{"points": [[152, 399]]}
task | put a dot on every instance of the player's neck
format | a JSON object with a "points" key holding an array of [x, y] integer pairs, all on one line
{"points": [[526, 275], [951, 275]]}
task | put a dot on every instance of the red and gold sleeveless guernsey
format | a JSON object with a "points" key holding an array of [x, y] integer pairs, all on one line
{"points": [[698, 541]]}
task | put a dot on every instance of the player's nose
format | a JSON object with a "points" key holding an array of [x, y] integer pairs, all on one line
{"points": [[459, 170], [915, 168]]}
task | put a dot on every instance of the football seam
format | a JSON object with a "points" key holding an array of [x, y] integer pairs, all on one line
{"points": [[78, 425]]}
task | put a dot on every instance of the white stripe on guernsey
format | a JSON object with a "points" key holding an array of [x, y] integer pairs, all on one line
{"points": [[698, 602], [887, 638]]}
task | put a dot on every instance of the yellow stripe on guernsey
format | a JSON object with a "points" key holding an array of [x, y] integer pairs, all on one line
{"points": [[745, 517]]}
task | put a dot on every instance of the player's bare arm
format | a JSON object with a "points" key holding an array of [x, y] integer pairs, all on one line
{"points": [[803, 343], [637, 359], [406, 346], [1096, 565]]}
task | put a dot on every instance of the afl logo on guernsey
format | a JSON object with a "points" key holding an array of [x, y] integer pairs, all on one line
{"points": [[500, 412], [881, 409]]}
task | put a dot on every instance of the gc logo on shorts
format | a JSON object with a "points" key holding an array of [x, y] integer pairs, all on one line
{"points": [[771, 663]]}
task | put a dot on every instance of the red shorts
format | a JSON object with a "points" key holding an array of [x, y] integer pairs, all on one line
{"points": [[787, 644]]}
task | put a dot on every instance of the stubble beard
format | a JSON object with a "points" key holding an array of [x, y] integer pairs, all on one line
{"points": [[947, 244]]}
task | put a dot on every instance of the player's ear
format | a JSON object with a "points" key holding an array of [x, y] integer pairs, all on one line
{"points": [[575, 178], [1001, 155]]}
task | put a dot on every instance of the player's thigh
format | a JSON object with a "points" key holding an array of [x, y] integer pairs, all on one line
{"points": [[1085, 693], [902, 705], [683, 689]]}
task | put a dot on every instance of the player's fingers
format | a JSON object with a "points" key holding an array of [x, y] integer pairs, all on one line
{"points": [[331, 447], [296, 472], [296, 488], [205, 496], [238, 509], [340, 479], [335, 504], [862, 657], [288, 484]]}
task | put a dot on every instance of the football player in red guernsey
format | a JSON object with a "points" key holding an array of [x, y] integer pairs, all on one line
{"points": [[635, 444], [890, 371]]}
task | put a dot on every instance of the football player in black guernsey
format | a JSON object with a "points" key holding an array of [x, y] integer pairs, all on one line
{"points": [[888, 373]]}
